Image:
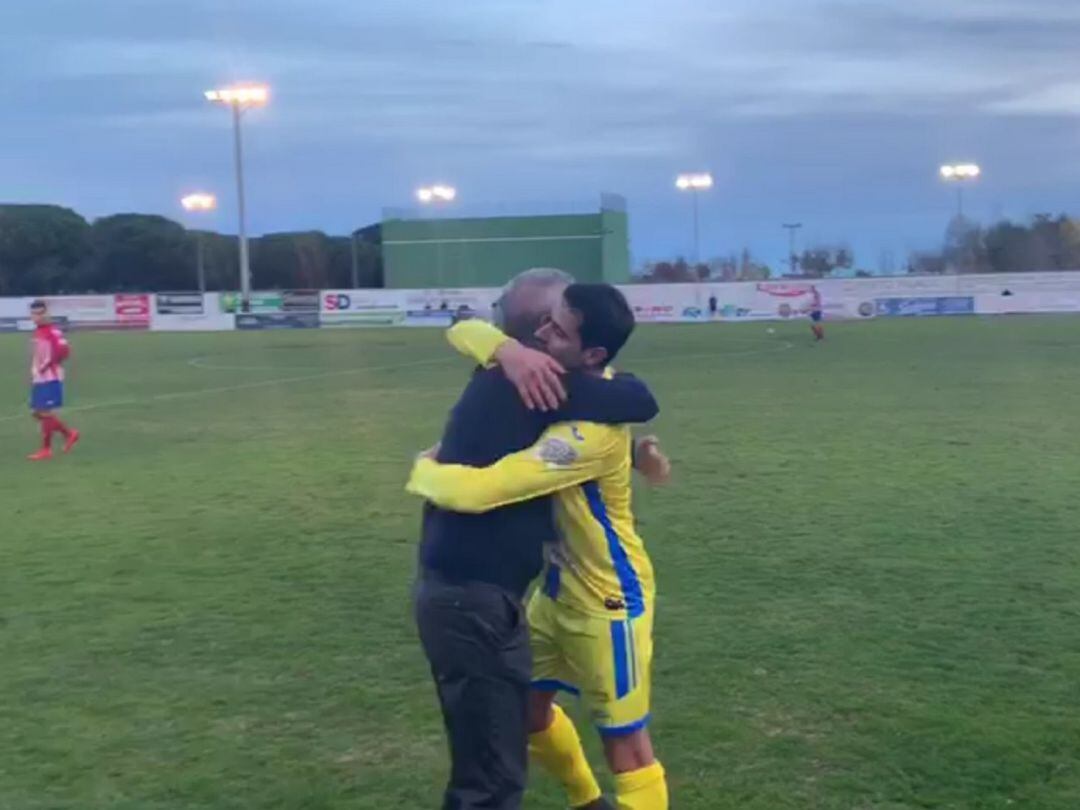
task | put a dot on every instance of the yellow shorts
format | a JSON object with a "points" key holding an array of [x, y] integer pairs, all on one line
{"points": [[606, 662]]}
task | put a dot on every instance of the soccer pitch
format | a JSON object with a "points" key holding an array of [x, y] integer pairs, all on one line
{"points": [[868, 567]]}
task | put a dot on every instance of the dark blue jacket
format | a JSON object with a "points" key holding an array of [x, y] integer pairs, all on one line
{"points": [[504, 547]]}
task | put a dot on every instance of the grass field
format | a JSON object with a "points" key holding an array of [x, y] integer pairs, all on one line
{"points": [[869, 570]]}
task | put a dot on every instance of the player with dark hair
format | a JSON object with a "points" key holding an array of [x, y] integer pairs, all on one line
{"points": [[48, 351], [591, 620], [475, 569]]}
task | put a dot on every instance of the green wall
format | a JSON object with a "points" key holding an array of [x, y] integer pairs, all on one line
{"points": [[487, 252]]}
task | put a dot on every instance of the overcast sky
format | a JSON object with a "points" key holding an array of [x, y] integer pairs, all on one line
{"points": [[832, 113]]}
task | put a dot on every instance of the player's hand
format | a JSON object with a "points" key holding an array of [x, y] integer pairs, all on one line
{"points": [[650, 461], [537, 377], [432, 452]]}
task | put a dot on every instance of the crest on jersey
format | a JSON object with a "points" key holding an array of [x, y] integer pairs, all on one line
{"points": [[557, 453]]}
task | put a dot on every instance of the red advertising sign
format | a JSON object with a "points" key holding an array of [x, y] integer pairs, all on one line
{"points": [[132, 310]]}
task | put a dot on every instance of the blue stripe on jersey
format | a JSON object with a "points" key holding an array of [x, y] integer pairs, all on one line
{"points": [[552, 581], [633, 653], [624, 569], [622, 668]]}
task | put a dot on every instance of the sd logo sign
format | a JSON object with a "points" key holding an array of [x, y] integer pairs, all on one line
{"points": [[337, 302]]}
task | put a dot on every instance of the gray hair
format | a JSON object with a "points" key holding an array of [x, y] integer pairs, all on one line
{"points": [[523, 304]]}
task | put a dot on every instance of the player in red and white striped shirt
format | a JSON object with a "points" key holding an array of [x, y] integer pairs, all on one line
{"points": [[48, 351]]}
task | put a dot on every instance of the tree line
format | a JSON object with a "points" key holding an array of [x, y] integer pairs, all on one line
{"points": [[51, 250], [1045, 243]]}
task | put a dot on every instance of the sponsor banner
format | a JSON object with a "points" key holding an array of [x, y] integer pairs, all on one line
{"points": [[179, 303], [917, 307], [655, 313], [83, 309], [277, 320], [300, 301], [132, 311], [123, 311], [375, 317], [667, 303], [361, 300], [783, 299], [259, 302], [478, 301]]}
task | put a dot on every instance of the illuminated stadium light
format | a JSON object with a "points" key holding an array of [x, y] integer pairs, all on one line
{"points": [[199, 202], [244, 95], [960, 171], [694, 182], [436, 193]]}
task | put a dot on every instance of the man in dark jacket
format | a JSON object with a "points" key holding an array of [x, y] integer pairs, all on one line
{"points": [[475, 569]]}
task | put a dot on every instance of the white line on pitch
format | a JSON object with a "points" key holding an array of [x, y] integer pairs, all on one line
{"points": [[224, 389]]}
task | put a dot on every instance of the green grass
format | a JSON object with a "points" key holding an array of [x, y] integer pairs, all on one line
{"points": [[869, 570]]}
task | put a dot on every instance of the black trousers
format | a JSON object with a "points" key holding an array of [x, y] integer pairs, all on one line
{"points": [[476, 639]]}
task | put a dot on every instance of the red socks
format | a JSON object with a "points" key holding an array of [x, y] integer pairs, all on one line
{"points": [[49, 426]]}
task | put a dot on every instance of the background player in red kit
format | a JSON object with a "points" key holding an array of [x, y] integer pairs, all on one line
{"points": [[48, 351]]}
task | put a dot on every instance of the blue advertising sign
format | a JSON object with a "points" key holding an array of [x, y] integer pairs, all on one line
{"points": [[919, 307]]}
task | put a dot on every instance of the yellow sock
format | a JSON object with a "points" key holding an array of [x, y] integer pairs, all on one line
{"points": [[643, 789], [558, 750]]}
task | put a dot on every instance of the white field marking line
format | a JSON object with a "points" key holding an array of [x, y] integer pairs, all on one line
{"points": [[346, 372], [228, 388]]}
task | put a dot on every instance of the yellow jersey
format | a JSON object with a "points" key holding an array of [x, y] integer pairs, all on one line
{"points": [[600, 565]]}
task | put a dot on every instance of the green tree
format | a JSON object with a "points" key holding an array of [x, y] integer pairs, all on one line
{"points": [[139, 252], [822, 261], [41, 247]]}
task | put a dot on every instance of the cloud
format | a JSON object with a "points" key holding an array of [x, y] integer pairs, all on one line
{"points": [[620, 93]]}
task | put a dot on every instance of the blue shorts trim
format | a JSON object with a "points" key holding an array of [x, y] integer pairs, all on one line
{"points": [[622, 731], [553, 685], [47, 396], [816, 316]]}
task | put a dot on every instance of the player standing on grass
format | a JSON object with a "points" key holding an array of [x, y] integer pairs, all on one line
{"points": [[591, 620], [816, 314], [48, 351]]}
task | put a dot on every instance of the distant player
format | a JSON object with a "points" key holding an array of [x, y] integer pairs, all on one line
{"points": [[816, 314], [48, 351]]}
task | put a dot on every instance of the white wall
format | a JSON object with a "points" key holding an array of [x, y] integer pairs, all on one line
{"points": [[655, 303]]}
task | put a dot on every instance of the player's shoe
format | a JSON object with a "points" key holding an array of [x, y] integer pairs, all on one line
{"points": [[44, 454], [72, 440]]}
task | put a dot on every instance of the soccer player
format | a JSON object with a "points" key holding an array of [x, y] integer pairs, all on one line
{"points": [[816, 314], [475, 569], [48, 351], [591, 620]]}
